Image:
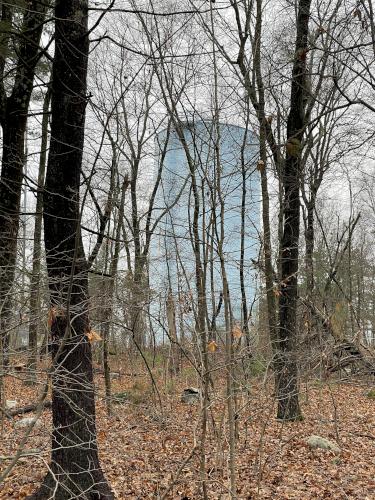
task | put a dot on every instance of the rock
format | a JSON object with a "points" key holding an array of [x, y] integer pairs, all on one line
{"points": [[26, 422], [10, 404], [191, 395], [323, 443]]}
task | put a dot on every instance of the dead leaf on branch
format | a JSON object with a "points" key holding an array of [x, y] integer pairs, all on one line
{"points": [[212, 346], [93, 336], [237, 332], [260, 166]]}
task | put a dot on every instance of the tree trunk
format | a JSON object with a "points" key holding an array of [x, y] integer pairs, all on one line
{"points": [[309, 241], [263, 137], [75, 470], [172, 333], [309, 261], [245, 311], [35, 278], [110, 298], [287, 376], [10, 197], [200, 285], [138, 295], [229, 354], [137, 292], [13, 117]]}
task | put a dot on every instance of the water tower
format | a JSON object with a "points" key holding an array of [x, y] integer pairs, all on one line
{"points": [[224, 159]]}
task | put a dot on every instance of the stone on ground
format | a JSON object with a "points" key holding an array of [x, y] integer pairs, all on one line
{"points": [[323, 443], [26, 422], [191, 395]]}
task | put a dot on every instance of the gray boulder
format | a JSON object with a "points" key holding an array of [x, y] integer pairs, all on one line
{"points": [[191, 396], [10, 404], [322, 443], [26, 422]]}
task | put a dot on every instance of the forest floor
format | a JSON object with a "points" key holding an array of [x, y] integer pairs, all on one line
{"points": [[147, 448]]}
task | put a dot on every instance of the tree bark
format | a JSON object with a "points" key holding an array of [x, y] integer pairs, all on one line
{"points": [[309, 241], [263, 137], [75, 469], [245, 311], [287, 376], [13, 118], [110, 298], [35, 278]]}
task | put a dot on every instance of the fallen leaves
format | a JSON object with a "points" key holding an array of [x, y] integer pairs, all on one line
{"points": [[142, 455]]}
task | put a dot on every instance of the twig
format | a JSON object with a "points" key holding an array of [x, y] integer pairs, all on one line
{"points": [[174, 480], [28, 409]]}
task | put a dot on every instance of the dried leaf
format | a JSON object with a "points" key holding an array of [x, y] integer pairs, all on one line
{"points": [[260, 165], [93, 336], [51, 316], [212, 346], [236, 332], [102, 436]]}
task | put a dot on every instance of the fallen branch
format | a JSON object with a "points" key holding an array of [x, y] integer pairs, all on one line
{"points": [[26, 453], [369, 436], [27, 409]]}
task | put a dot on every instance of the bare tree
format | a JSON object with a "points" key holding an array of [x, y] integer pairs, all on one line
{"points": [[14, 105], [287, 378], [37, 247], [75, 470]]}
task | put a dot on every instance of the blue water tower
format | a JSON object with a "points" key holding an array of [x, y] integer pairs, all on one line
{"points": [[223, 157]]}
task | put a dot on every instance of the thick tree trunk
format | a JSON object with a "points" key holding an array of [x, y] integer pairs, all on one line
{"points": [[75, 470], [13, 117], [10, 197], [287, 376]]}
